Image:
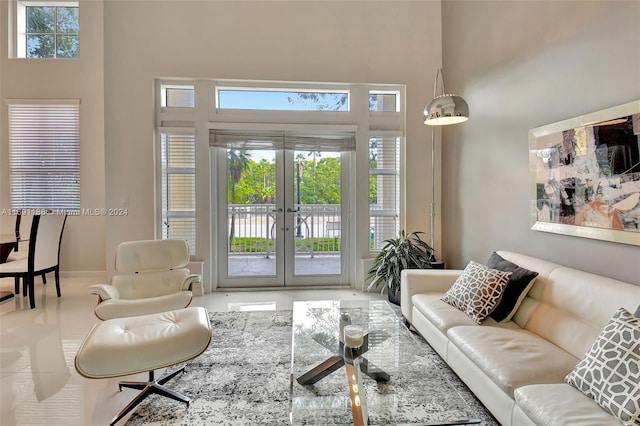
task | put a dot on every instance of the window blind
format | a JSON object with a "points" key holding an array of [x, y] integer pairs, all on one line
{"points": [[292, 140], [178, 151], [384, 189], [44, 154]]}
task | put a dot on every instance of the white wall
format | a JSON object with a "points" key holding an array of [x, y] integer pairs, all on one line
{"points": [[83, 241], [320, 41], [521, 65]]}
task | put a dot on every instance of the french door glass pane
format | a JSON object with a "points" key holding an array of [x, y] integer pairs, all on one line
{"points": [[317, 224], [252, 215]]}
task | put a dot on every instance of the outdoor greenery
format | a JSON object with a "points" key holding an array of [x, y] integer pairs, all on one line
{"points": [[52, 32], [303, 245], [254, 182], [319, 179], [323, 101], [407, 251], [251, 245]]}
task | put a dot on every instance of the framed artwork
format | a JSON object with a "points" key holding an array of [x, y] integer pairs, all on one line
{"points": [[585, 175]]}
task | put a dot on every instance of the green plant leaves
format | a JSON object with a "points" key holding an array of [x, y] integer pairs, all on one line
{"points": [[407, 251]]}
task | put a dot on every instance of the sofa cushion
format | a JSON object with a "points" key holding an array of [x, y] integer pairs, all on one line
{"points": [[512, 357], [561, 404], [441, 314], [610, 371], [444, 316], [477, 290], [520, 282]]}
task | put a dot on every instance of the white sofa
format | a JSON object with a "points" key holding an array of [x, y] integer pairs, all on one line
{"points": [[517, 368]]}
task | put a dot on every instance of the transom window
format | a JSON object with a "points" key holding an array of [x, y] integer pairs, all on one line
{"points": [[177, 96], [384, 101], [48, 30], [282, 100]]}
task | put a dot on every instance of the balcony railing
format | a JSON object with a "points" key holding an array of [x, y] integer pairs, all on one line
{"points": [[317, 228]]}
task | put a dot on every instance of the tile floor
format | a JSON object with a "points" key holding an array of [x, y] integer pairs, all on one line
{"points": [[38, 381]]}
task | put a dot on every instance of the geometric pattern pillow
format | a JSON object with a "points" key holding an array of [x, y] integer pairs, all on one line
{"points": [[610, 371], [518, 286], [477, 291]]}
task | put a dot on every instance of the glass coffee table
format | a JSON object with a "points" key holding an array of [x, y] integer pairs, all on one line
{"points": [[387, 380]]}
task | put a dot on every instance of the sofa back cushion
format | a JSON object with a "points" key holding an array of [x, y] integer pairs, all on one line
{"points": [[567, 306]]}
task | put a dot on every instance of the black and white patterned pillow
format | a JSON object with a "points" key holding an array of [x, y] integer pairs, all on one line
{"points": [[610, 371], [477, 291]]}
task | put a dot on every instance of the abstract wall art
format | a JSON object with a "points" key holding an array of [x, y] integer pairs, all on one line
{"points": [[585, 175]]}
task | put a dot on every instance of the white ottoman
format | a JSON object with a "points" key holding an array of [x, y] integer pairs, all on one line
{"points": [[124, 346]]}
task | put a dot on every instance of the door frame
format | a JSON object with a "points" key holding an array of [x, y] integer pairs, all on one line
{"points": [[285, 276]]}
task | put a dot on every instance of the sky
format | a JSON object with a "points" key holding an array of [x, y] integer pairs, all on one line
{"points": [[274, 100]]}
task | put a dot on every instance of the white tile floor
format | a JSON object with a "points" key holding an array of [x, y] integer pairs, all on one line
{"points": [[38, 381]]}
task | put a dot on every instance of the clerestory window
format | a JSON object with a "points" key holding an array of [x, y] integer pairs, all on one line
{"points": [[47, 30], [282, 99]]}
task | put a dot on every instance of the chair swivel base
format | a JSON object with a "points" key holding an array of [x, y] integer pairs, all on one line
{"points": [[149, 388]]}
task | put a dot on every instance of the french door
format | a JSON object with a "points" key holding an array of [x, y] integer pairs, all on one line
{"points": [[280, 217]]}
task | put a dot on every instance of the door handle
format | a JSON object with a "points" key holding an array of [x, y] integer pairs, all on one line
{"points": [[277, 210], [290, 210]]}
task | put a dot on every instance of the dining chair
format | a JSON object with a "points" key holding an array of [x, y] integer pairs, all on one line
{"points": [[21, 250], [43, 255], [23, 229]]}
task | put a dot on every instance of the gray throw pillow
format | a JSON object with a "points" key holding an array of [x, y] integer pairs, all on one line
{"points": [[477, 290], [517, 288], [610, 370]]}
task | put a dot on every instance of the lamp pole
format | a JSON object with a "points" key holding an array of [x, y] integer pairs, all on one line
{"points": [[441, 111], [432, 220]]}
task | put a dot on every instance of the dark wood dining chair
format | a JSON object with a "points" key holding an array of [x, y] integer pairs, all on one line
{"points": [[23, 229], [21, 249], [45, 239]]}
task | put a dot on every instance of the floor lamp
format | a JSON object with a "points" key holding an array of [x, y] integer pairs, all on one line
{"points": [[441, 111]]}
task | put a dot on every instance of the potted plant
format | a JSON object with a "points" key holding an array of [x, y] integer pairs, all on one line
{"points": [[407, 251]]}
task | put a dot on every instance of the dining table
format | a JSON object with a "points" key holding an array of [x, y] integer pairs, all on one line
{"points": [[8, 242]]}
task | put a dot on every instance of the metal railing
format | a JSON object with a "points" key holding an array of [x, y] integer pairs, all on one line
{"points": [[252, 228]]}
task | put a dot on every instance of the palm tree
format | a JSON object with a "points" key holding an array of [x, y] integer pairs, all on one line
{"points": [[237, 163]]}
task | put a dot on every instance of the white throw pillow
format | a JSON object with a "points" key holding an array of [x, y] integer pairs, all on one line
{"points": [[610, 371], [477, 291]]}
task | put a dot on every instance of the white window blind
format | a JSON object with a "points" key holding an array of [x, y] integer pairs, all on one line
{"points": [[384, 189], [44, 154], [178, 150], [332, 141]]}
